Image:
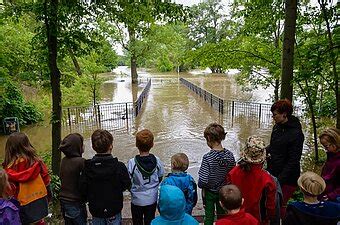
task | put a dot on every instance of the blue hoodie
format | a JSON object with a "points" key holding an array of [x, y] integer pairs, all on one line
{"points": [[187, 184], [172, 208]]}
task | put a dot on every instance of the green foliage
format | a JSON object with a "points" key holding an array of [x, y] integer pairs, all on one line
{"points": [[55, 180], [13, 104], [76, 94], [167, 46]]}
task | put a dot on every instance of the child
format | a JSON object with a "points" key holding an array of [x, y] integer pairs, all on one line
{"points": [[311, 211], [231, 201], [28, 177], [72, 205], [214, 168], [256, 185], [9, 212], [179, 178], [146, 172], [103, 181], [172, 208], [330, 139]]}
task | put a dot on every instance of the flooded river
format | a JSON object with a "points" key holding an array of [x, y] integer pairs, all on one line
{"points": [[175, 115]]}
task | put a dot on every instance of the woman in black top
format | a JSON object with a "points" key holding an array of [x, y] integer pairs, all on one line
{"points": [[285, 149]]}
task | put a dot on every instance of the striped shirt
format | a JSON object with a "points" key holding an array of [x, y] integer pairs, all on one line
{"points": [[214, 168]]}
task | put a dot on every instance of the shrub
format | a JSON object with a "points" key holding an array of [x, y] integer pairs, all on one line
{"points": [[13, 104]]}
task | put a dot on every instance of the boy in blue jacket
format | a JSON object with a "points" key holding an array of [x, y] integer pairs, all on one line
{"points": [[179, 178]]}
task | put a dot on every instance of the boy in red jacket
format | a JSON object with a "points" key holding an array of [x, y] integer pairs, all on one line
{"points": [[231, 201]]}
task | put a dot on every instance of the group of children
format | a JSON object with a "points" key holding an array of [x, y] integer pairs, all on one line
{"points": [[238, 194]]}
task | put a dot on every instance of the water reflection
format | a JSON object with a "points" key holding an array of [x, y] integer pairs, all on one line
{"points": [[175, 115]]}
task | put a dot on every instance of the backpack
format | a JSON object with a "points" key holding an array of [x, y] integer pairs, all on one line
{"points": [[9, 213]]}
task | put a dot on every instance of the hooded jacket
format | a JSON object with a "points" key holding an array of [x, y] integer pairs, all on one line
{"points": [[258, 189], [102, 183], [171, 208], [331, 174], [187, 184], [285, 150], [214, 168], [322, 213], [29, 185], [71, 166], [146, 173]]}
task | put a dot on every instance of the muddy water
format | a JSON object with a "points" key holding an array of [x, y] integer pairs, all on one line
{"points": [[175, 115]]}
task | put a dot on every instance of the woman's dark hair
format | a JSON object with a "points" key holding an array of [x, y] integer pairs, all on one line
{"points": [[282, 106]]}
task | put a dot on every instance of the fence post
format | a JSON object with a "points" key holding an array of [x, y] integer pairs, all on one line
{"points": [[221, 105], [136, 108], [126, 111], [232, 109], [69, 116], [211, 100], [260, 111], [98, 114]]}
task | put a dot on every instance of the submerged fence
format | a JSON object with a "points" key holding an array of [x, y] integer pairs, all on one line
{"points": [[140, 100], [108, 116], [234, 110], [214, 101]]}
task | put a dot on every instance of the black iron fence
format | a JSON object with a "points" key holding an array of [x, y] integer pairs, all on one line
{"points": [[214, 101], [142, 96], [108, 116], [253, 113]]}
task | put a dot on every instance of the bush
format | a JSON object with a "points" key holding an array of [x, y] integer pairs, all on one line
{"points": [[13, 104], [55, 180]]}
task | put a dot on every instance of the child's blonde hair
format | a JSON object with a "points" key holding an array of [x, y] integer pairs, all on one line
{"points": [[179, 162], [332, 135], [18, 145], [4, 185]]}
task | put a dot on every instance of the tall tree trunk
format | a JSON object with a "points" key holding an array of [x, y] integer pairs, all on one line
{"points": [[75, 62], [333, 61], [288, 49], [276, 89], [133, 59], [51, 20], [134, 75]]}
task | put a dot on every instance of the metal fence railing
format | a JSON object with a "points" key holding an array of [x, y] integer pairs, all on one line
{"points": [[139, 102], [214, 101], [110, 116], [253, 113]]}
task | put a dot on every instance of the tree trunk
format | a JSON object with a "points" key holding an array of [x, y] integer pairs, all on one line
{"points": [[288, 49], [75, 62], [134, 75], [133, 59], [276, 89], [51, 21], [333, 62]]}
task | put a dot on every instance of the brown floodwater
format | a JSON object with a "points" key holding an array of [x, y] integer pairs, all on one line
{"points": [[175, 115]]}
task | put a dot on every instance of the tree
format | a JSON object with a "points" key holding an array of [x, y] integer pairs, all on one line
{"points": [[288, 49], [208, 26], [136, 18], [260, 42], [167, 47], [51, 16]]}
